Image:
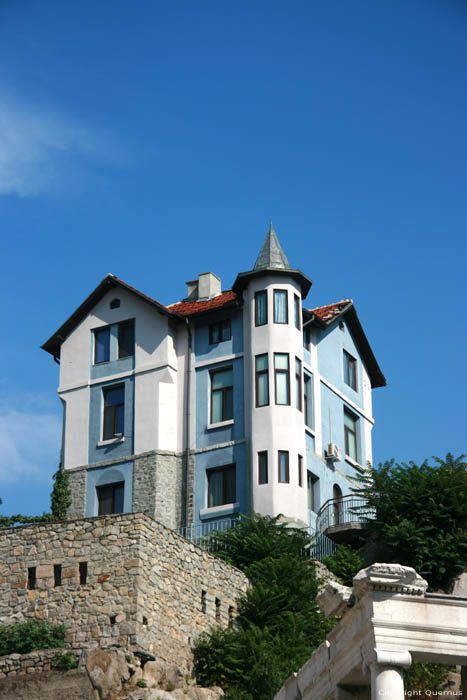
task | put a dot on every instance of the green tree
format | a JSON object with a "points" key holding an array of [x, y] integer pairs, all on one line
{"points": [[420, 516], [344, 563], [278, 626]]}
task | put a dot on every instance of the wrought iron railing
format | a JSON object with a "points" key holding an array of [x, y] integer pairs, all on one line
{"points": [[198, 534], [203, 536], [343, 511]]}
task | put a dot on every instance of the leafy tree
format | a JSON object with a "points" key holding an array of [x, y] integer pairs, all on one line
{"points": [[420, 516], [278, 626]]}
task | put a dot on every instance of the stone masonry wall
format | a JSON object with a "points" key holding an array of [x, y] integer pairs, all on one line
{"points": [[146, 585], [77, 508]]}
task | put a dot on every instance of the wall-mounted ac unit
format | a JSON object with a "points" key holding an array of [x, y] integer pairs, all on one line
{"points": [[333, 452]]}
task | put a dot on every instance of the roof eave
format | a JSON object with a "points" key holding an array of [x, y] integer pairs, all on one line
{"points": [[377, 378], [53, 344], [243, 278]]}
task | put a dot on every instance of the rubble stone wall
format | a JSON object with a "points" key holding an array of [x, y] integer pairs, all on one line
{"points": [[145, 585]]}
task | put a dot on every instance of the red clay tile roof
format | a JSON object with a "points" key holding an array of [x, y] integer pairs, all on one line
{"points": [[189, 308], [331, 311]]}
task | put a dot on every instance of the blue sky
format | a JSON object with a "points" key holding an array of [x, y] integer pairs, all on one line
{"points": [[155, 140]]}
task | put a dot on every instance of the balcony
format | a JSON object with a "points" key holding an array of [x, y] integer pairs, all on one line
{"points": [[343, 519]]}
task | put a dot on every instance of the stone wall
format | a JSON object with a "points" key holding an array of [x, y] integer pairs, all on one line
{"points": [[159, 486], [34, 662], [145, 585]]}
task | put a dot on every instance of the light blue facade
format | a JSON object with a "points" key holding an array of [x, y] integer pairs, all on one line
{"points": [[112, 449], [109, 475]]}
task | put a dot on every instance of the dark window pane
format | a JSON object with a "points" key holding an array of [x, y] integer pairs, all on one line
{"points": [[283, 467], [126, 339], [221, 486], [297, 312], [114, 397], [221, 395], [262, 467], [118, 498], [261, 308], [110, 498], [114, 412], [102, 345], [226, 333]]}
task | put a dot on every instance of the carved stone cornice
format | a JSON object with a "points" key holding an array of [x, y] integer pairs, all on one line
{"points": [[389, 577], [334, 599]]}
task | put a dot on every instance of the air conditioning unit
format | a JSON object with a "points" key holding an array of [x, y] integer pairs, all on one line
{"points": [[333, 452]]}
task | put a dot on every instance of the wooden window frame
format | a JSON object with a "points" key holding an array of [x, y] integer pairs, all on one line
{"points": [[224, 390], [224, 468], [258, 373], [262, 454], [347, 430], [122, 324], [282, 371], [287, 472], [308, 409], [96, 331], [275, 293], [218, 326], [297, 312], [114, 486], [112, 409], [257, 295], [350, 370], [298, 384]]}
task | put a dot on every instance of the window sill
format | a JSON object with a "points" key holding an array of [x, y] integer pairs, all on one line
{"points": [[222, 424], [355, 464], [219, 511], [112, 441]]}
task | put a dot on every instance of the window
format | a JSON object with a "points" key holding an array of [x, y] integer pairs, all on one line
{"points": [[114, 411], [307, 339], [31, 578], [83, 573], [300, 470], [298, 383], [110, 499], [350, 434], [308, 399], [262, 380], [262, 467], [280, 306], [297, 311], [218, 610], [350, 370], [57, 575], [115, 304], [261, 308], [312, 488], [101, 345], [221, 395], [282, 379], [219, 332], [221, 486], [126, 339], [283, 467]]}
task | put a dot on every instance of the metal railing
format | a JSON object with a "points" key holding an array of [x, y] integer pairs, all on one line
{"points": [[320, 547], [198, 534], [343, 511]]}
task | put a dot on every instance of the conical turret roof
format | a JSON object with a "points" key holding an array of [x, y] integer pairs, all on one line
{"points": [[271, 254]]}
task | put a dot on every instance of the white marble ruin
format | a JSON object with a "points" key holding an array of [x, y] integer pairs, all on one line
{"points": [[387, 621]]}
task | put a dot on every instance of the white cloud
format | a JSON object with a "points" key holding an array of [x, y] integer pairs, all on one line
{"points": [[29, 445], [42, 153]]}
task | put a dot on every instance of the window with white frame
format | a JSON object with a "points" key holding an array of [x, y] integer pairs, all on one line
{"points": [[308, 399], [350, 370], [282, 378], [262, 380], [281, 314], [114, 411], [350, 435], [221, 394]]}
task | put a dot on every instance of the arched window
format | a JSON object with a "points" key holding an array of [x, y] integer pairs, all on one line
{"points": [[337, 505]]}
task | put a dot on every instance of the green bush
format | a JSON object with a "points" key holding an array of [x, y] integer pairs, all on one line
{"points": [[420, 516], [31, 635], [344, 563], [422, 676], [278, 626], [65, 662], [141, 683]]}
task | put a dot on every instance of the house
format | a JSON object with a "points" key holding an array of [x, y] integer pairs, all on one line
{"points": [[226, 402]]}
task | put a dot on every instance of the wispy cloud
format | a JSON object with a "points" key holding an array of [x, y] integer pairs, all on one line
{"points": [[41, 152], [29, 445]]}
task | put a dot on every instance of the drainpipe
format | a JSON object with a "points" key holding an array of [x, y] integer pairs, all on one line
{"points": [[188, 426]]}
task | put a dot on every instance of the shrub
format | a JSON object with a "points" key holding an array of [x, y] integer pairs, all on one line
{"points": [[65, 662], [141, 683], [32, 634], [344, 563]]}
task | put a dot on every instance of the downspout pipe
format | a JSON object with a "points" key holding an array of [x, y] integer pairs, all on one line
{"points": [[188, 422]]}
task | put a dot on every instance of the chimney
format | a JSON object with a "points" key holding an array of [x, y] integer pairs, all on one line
{"points": [[207, 286]]}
